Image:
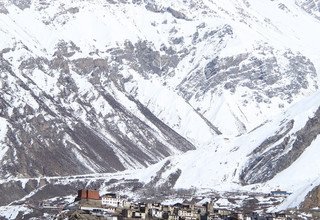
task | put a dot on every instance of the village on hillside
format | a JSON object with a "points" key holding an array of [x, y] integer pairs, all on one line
{"points": [[89, 204]]}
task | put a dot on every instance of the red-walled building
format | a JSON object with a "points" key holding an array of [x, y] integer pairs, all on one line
{"points": [[88, 194]]}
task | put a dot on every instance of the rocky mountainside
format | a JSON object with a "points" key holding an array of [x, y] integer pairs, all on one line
{"points": [[225, 89], [46, 134], [65, 116], [310, 6], [312, 200]]}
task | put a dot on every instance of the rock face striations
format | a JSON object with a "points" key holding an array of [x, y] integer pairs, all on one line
{"points": [[310, 6], [312, 200], [67, 129], [280, 151]]}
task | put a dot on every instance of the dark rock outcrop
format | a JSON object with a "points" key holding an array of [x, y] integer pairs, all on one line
{"points": [[22, 4], [310, 6], [312, 200], [270, 158]]}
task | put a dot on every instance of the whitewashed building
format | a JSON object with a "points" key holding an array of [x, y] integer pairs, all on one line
{"points": [[112, 199]]}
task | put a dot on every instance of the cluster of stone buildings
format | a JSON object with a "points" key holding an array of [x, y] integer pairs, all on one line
{"points": [[113, 207]]}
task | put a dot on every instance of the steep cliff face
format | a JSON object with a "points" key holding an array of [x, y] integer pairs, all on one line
{"points": [[248, 82], [312, 200], [61, 123], [266, 162]]}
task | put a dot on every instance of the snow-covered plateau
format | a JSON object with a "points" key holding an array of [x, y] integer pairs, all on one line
{"points": [[216, 96]]}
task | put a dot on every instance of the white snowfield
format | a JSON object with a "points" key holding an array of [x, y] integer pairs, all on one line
{"points": [[218, 166], [219, 159]]}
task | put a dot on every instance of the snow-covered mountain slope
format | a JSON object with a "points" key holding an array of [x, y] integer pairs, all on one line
{"points": [[281, 154], [259, 155], [101, 86], [247, 58], [270, 157], [54, 76], [80, 127]]}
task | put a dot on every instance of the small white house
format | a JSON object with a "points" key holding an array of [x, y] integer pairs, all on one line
{"points": [[112, 199], [156, 213]]}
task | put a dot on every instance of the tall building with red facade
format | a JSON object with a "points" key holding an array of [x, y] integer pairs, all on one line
{"points": [[88, 194]]}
